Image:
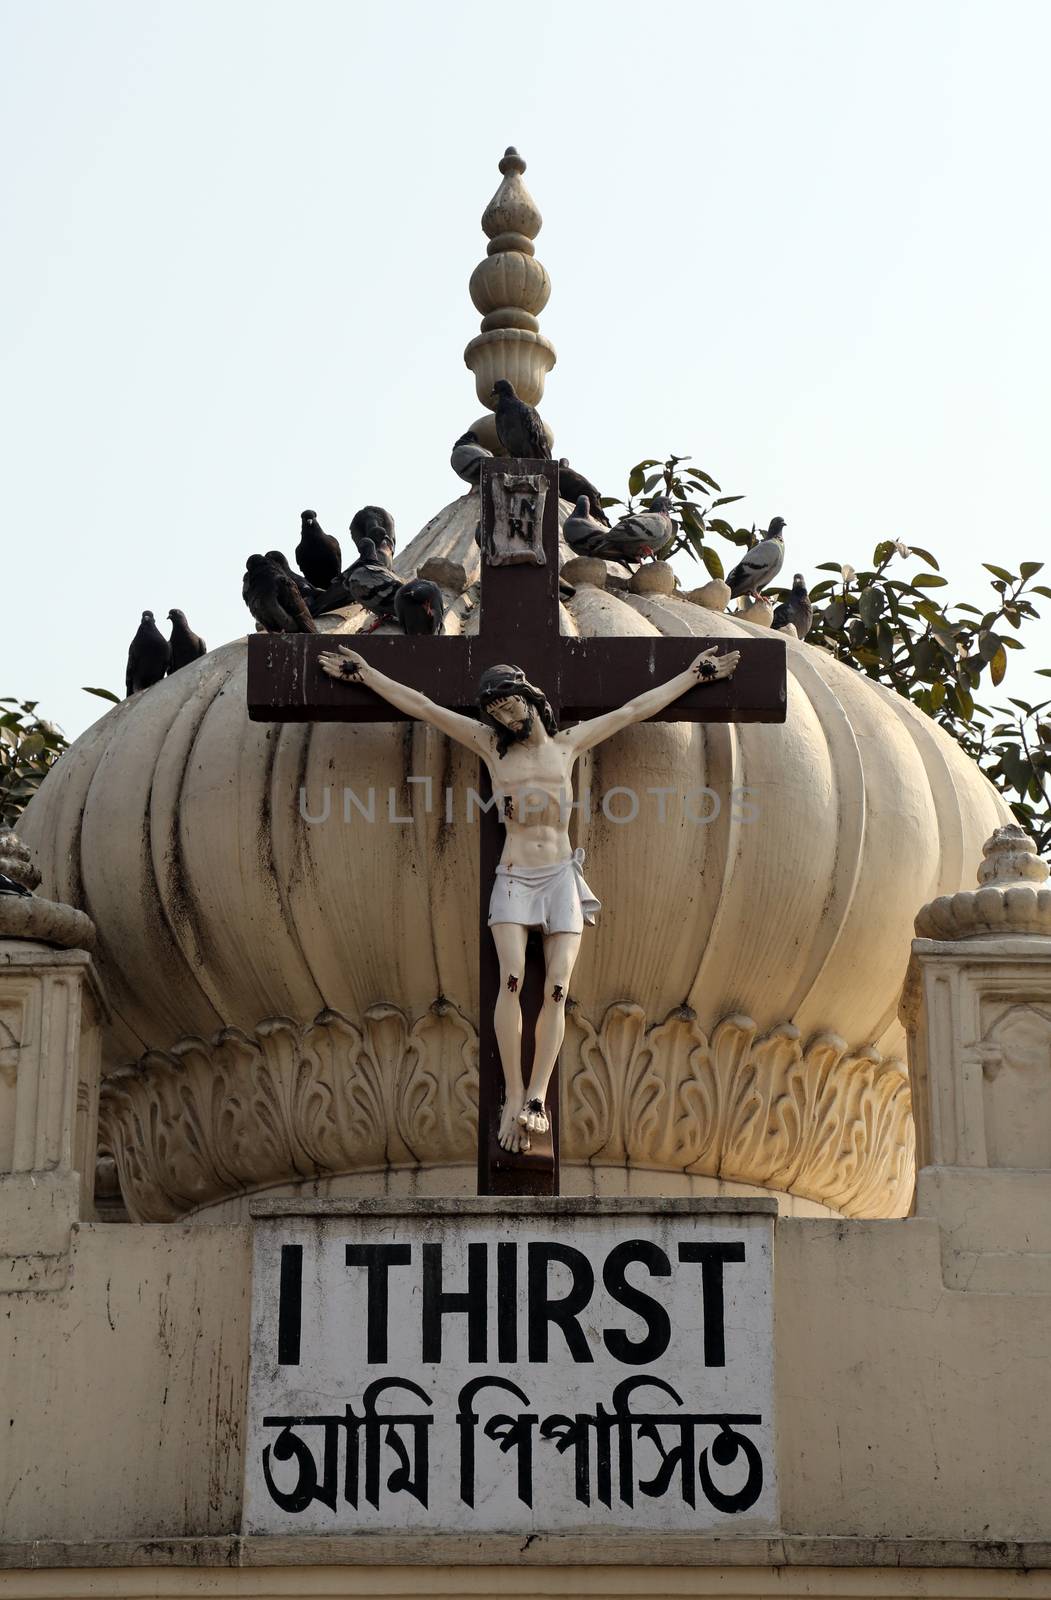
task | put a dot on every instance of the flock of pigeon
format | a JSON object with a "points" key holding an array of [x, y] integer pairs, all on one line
{"points": [[283, 600]]}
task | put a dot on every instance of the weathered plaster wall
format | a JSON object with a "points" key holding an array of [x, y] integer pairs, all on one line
{"points": [[906, 1410], [122, 1396]]}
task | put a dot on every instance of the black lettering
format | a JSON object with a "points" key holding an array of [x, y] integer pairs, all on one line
{"points": [[543, 1310], [637, 1352], [507, 1302], [713, 1258], [378, 1259], [438, 1303], [290, 1305]]}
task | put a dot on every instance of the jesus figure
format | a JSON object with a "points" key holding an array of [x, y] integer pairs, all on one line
{"points": [[539, 881]]}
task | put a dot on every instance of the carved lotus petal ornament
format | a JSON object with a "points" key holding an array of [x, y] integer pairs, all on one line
{"points": [[211, 1120], [1013, 896]]}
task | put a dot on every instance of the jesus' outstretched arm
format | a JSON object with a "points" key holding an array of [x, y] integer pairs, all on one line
{"points": [[351, 667], [707, 668]]}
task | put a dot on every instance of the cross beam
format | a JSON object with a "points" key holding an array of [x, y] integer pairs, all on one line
{"points": [[520, 623]]}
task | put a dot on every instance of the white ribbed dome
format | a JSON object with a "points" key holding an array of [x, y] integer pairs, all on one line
{"points": [[175, 823]]}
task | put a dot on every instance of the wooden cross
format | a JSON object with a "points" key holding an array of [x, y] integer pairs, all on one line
{"points": [[581, 678]]}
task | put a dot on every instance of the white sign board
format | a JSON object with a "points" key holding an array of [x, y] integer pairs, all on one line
{"points": [[495, 1366]]}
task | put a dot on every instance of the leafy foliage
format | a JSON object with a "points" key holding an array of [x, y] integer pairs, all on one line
{"points": [[944, 657], [691, 494], [29, 748]]}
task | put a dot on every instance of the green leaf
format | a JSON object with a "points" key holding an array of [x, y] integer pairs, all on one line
{"points": [[636, 479], [870, 606], [835, 615], [727, 500], [938, 694], [103, 694], [652, 482], [925, 555], [998, 666], [999, 572], [1029, 569], [928, 580], [695, 472], [31, 744], [712, 562]]}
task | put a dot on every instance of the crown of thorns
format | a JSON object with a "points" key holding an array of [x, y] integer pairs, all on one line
{"points": [[503, 681]]}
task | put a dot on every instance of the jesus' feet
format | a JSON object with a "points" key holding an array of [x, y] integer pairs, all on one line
{"points": [[533, 1117], [512, 1135]]}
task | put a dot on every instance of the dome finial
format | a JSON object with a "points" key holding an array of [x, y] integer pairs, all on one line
{"points": [[510, 288]]}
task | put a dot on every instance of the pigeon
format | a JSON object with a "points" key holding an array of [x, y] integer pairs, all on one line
{"points": [[579, 531], [317, 552], [467, 457], [571, 485], [373, 522], [305, 587], [640, 534], [186, 646], [149, 656], [518, 426], [340, 592], [373, 586], [273, 598], [761, 565], [12, 886], [797, 609], [419, 606]]}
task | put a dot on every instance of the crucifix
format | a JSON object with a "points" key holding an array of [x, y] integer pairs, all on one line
{"points": [[519, 667]]}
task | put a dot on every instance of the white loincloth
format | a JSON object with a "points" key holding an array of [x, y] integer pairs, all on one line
{"points": [[554, 899]]}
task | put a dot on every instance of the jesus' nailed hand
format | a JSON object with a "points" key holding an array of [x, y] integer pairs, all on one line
{"points": [[539, 882]]}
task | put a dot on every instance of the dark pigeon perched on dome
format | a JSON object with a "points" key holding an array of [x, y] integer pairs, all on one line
{"points": [[305, 587], [149, 656], [796, 609], [761, 565], [377, 524], [273, 598], [518, 426], [419, 606], [571, 485], [341, 592], [186, 646], [317, 552]]}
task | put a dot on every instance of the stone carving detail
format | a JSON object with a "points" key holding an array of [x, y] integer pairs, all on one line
{"points": [[211, 1119], [510, 287], [1015, 1055], [1013, 894], [816, 1122], [16, 862]]}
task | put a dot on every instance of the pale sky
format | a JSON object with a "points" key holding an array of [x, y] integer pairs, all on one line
{"points": [[806, 241]]}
